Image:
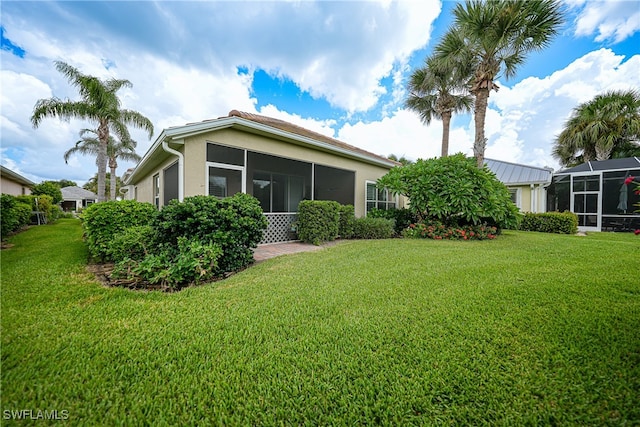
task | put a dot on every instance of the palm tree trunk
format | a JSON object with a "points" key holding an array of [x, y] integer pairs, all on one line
{"points": [[113, 166], [446, 124], [479, 115], [103, 137]]}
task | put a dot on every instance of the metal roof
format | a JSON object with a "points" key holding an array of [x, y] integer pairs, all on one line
{"points": [[605, 165], [77, 193], [515, 174]]}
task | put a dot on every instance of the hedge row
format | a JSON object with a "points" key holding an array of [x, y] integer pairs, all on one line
{"points": [[17, 211], [550, 222], [322, 221]]}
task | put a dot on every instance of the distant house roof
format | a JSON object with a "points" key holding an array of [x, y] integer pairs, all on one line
{"points": [[604, 165], [516, 174], [77, 193], [261, 125], [8, 173]]}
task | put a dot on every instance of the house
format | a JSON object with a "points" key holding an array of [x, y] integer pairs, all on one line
{"points": [[527, 184], [277, 162], [596, 192], [76, 198], [13, 183]]}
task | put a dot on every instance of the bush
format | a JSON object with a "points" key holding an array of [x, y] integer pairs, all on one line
{"points": [[41, 203], [373, 228], [194, 262], [103, 221], [550, 222], [14, 214], [453, 191], [347, 221], [133, 243], [236, 224], [439, 231], [50, 189], [318, 221], [402, 217]]}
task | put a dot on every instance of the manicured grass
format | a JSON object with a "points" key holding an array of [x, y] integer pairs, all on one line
{"points": [[530, 328]]}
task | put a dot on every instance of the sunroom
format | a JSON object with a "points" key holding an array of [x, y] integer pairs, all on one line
{"points": [[597, 193]]}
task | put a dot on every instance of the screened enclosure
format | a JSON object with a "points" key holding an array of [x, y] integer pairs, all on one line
{"points": [[597, 193]]}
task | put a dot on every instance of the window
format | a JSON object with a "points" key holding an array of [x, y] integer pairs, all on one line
{"points": [[156, 191], [514, 193], [379, 198], [227, 155], [224, 182]]}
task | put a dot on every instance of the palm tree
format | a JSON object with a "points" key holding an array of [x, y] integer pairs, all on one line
{"points": [[494, 37], [439, 90], [99, 105], [607, 126], [124, 150]]}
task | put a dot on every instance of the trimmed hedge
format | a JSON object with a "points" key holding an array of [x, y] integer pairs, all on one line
{"points": [[550, 222], [318, 221], [133, 243], [373, 228], [347, 221], [103, 221], [41, 203]]}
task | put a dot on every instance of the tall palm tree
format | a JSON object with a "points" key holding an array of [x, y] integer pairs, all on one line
{"points": [[438, 90], [607, 126], [100, 105], [125, 150], [494, 37]]}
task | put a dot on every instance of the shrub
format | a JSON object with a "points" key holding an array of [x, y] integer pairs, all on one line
{"points": [[8, 214], [347, 221], [50, 189], [193, 263], [236, 224], [318, 221], [402, 217], [454, 191], [41, 203], [550, 222], [373, 228], [439, 231], [102, 221], [133, 243]]}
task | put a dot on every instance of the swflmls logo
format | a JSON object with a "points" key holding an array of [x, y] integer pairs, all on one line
{"points": [[29, 414]]}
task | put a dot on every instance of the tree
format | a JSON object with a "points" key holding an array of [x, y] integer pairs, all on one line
{"points": [[401, 159], [92, 184], [100, 105], [48, 188], [439, 90], [607, 126], [124, 150], [494, 38], [66, 183]]}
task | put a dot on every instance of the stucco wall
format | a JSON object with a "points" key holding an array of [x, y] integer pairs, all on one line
{"points": [[8, 186]]}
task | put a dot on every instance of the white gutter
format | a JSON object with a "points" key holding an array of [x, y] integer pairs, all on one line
{"points": [[165, 147]]}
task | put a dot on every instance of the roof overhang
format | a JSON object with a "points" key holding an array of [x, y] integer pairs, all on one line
{"points": [[177, 135]]}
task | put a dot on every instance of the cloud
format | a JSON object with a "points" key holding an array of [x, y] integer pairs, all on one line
{"points": [[609, 20], [533, 112]]}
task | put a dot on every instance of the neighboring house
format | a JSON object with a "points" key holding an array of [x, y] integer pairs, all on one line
{"points": [[527, 184], [13, 183], [76, 198], [277, 162], [596, 192]]}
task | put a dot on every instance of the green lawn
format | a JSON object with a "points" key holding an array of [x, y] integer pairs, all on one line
{"points": [[530, 329]]}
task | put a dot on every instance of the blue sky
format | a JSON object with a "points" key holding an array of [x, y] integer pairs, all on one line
{"points": [[336, 67]]}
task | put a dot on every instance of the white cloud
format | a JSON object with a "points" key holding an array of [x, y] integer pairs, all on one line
{"points": [[613, 20]]}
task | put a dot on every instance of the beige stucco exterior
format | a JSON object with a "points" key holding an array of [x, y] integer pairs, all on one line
{"points": [[195, 175], [530, 197], [13, 184]]}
